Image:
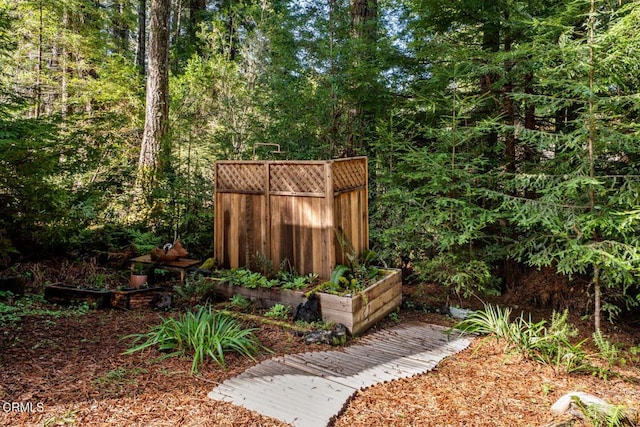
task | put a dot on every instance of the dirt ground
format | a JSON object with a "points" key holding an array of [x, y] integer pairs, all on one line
{"points": [[71, 371]]}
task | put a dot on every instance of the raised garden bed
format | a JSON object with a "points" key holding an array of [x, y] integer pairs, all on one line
{"points": [[60, 294], [100, 298], [364, 309], [358, 311], [132, 299], [265, 297]]}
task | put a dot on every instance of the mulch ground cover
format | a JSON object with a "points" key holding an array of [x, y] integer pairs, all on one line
{"points": [[71, 371]]}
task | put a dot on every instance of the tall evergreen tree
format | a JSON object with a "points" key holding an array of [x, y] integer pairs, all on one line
{"points": [[154, 148]]}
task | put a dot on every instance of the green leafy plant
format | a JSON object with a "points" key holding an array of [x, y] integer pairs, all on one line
{"points": [[284, 279], [492, 320], [144, 241], [194, 289], [606, 349], [248, 279], [606, 415], [203, 334], [279, 312], [239, 302], [139, 268], [13, 308], [298, 282], [533, 340], [463, 277]]}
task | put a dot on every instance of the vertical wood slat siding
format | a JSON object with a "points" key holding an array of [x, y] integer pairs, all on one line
{"points": [[289, 219]]}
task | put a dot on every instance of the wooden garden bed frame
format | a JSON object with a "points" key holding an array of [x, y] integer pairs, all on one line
{"points": [[358, 312]]}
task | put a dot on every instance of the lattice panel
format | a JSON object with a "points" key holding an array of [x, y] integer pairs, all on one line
{"points": [[297, 178], [240, 177], [349, 174]]}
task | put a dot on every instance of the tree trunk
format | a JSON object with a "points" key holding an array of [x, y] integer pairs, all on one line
{"points": [[363, 31], [120, 27], [142, 36], [196, 9], [157, 103], [490, 43], [38, 88], [363, 19]]}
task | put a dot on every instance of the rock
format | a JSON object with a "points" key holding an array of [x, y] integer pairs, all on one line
{"points": [[163, 301], [317, 337], [336, 336], [567, 404], [339, 335], [309, 311], [460, 313], [574, 402]]}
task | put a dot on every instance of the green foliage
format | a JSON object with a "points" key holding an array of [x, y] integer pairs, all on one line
{"points": [[201, 335], [247, 278], [13, 308], [606, 349], [465, 277], [511, 134], [194, 289], [279, 312], [284, 279], [533, 340], [491, 320], [145, 241], [357, 274], [344, 279], [239, 302], [604, 416]]}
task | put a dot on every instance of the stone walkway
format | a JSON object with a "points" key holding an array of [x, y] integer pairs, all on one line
{"points": [[312, 389]]}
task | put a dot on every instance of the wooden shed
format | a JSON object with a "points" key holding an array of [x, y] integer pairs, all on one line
{"points": [[290, 210]]}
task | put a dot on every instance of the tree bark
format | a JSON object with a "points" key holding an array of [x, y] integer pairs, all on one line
{"points": [[157, 102], [196, 9], [490, 43], [364, 15], [120, 27]]}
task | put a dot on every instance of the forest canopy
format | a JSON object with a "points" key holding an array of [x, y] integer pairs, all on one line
{"points": [[501, 135]]}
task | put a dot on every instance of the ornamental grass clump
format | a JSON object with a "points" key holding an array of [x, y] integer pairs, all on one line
{"points": [[203, 334], [534, 340]]}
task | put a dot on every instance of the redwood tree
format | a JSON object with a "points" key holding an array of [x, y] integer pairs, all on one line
{"points": [[157, 102]]}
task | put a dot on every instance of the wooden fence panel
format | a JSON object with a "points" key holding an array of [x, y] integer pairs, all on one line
{"points": [[241, 228], [290, 210]]}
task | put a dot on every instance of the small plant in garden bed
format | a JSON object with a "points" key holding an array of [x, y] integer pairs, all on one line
{"points": [[356, 274], [346, 280], [252, 280], [239, 302], [279, 312], [203, 334]]}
